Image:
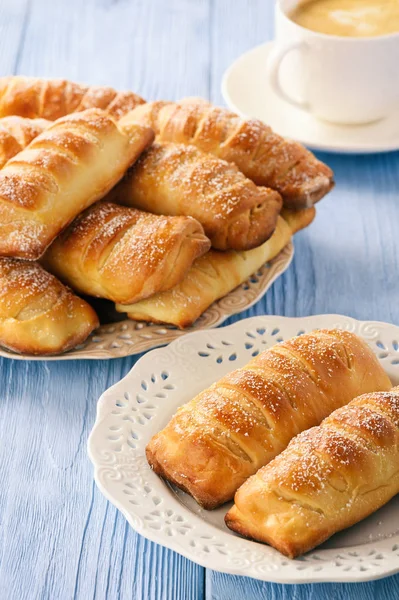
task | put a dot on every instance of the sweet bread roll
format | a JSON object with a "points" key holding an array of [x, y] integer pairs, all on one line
{"points": [[329, 478], [174, 179], [16, 133], [69, 166], [124, 254], [39, 315], [262, 155], [193, 100], [54, 98], [213, 276], [223, 436]]}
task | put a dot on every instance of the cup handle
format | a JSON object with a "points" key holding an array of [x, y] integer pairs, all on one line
{"points": [[273, 71]]}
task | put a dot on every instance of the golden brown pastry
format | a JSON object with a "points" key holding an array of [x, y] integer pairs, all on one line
{"points": [[174, 179], [262, 155], [213, 276], [54, 98], [73, 163], [230, 430], [124, 254], [16, 133], [39, 315], [329, 478], [192, 100]]}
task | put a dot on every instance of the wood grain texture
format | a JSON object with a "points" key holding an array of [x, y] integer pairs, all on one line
{"points": [[59, 538]]}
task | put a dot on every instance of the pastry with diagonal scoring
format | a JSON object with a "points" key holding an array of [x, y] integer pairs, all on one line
{"points": [[16, 133], [124, 254], [329, 478], [54, 98], [174, 179], [244, 420], [263, 156], [214, 275], [65, 169], [38, 314]]}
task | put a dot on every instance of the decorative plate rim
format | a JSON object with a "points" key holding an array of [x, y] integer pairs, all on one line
{"points": [[128, 338], [129, 468]]}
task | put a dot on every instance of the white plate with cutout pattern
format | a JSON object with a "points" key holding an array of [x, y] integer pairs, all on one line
{"points": [[142, 403], [126, 338]]}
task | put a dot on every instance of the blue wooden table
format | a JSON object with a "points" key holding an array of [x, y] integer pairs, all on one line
{"points": [[59, 538]]}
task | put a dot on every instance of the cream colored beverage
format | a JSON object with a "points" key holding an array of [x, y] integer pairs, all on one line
{"points": [[349, 18]]}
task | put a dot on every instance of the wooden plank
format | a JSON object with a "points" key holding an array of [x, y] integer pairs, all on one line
{"points": [[60, 538], [158, 50], [226, 587], [13, 25], [235, 28]]}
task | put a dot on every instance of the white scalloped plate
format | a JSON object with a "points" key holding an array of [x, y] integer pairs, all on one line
{"points": [[126, 338], [134, 409]]}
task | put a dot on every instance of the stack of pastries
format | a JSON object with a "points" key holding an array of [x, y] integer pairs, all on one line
{"points": [[305, 438], [161, 207]]}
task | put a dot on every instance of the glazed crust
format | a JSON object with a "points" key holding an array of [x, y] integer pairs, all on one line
{"points": [[175, 179], [230, 430], [16, 133], [329, 478], [262, 155], [39, 315], [124, 254], [54, 98], [69, 166], [213, 276]]}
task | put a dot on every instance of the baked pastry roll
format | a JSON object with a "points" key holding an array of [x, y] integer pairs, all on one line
{"points": [[329, 478], [39, 315], [262, 155], [54, 98], [124, 254], [192, 100], [174, 179], [230, 430], [213, 276], [16, 133], [69, 166]]}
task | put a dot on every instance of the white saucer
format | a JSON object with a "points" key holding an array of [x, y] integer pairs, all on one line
{"points": [[246, 91]]}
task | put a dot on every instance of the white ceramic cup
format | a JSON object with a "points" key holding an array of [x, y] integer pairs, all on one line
{"points": [[339, 79]]}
